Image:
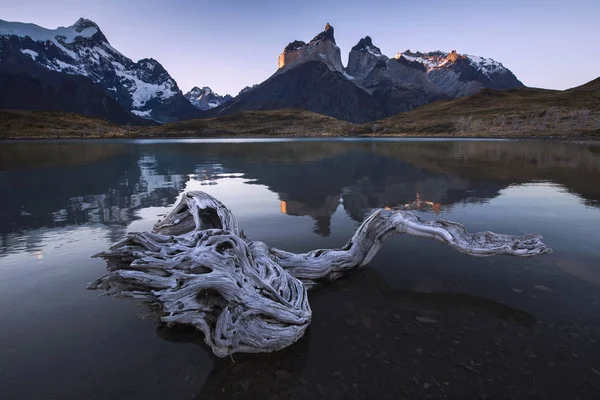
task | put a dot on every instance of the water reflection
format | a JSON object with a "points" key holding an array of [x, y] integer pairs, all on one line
{"points": [[375, 325], [419, 316], [69, 184]]}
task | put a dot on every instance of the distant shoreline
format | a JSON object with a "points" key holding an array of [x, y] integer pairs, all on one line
{"points": [[289, 124], [562, 138]]}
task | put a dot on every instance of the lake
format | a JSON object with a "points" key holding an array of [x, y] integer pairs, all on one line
{"points": [[419, 321]]}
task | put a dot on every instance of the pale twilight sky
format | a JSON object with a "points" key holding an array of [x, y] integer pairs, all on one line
{"points": [[229, 44]]}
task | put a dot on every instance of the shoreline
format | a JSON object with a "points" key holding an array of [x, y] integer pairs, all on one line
{"points": [[553, 138]]}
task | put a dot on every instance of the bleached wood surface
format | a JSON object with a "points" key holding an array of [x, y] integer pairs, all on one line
{"points": [[200, 268]]}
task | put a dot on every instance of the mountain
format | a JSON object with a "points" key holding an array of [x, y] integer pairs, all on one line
{"points": [[75, 69], [25, 85], [143, 88], [568, 114], [322, 49], [311, 77], [397, 83], [205, 98], [461, 74]]}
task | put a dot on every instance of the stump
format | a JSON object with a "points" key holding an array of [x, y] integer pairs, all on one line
{"points": [[202, 270]]}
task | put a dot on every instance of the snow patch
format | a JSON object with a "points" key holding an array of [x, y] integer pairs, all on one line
{"points": [[59, 36], [39, 34], [142, 91], [30, 53], [348, 76], [486, 65], [373, 52], [143, 114]]}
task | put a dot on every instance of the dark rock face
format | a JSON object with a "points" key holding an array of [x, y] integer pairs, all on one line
{"points": [[144, 87], [327, 34], [309, 86], [363, 57], [205, 98], [25, 85], [400, 85], [366, 43], [397, 84], [295, 45], [247, 89]]}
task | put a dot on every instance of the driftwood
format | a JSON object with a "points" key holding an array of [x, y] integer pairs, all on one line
{"points": [[201, 269]]}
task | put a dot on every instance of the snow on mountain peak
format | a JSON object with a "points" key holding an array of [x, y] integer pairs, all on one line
{"points": [[82, 49], [83, 23], [366, 45], [82, 28], [205, 98], [439, 59]]}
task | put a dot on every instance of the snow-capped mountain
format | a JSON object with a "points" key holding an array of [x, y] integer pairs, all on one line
{"points": [[144, 87], [205, 98], [76, 69], [462, 74], [311, 76]]}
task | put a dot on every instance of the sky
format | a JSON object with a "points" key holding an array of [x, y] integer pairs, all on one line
{"points": [[230, 44]]}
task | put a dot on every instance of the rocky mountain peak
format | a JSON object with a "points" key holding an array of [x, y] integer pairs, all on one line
{"points": [[363, 57], [205, 99], [88, 28], [83, 23], [322, 49], [366, 44], [327, 34], [453, 56]]}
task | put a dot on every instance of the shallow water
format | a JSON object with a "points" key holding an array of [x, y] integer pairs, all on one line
{"points": [[421, 320]]}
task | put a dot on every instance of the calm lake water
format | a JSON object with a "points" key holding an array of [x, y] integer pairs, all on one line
{"points": [[420, 321]]}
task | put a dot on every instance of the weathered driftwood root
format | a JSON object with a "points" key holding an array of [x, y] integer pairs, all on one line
{"points": [[200, 268]]}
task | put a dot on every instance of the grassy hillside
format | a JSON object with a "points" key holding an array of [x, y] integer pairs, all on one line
{"points": [[55, 125], [573, 113], [519, 112], [257, 123]]}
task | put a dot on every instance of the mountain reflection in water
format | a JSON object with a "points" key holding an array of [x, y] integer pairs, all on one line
{"points": [[311, 178], [419, 321]]}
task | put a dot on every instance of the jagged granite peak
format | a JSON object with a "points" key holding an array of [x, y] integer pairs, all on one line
{"points": [[144, 87], [363, 57], [205, 98], [327, 34], [366, 44], [322, 48]]}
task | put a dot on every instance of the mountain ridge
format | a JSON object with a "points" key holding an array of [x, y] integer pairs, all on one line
{"points": [[386, 85], [143, 88], [310, 76]]}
